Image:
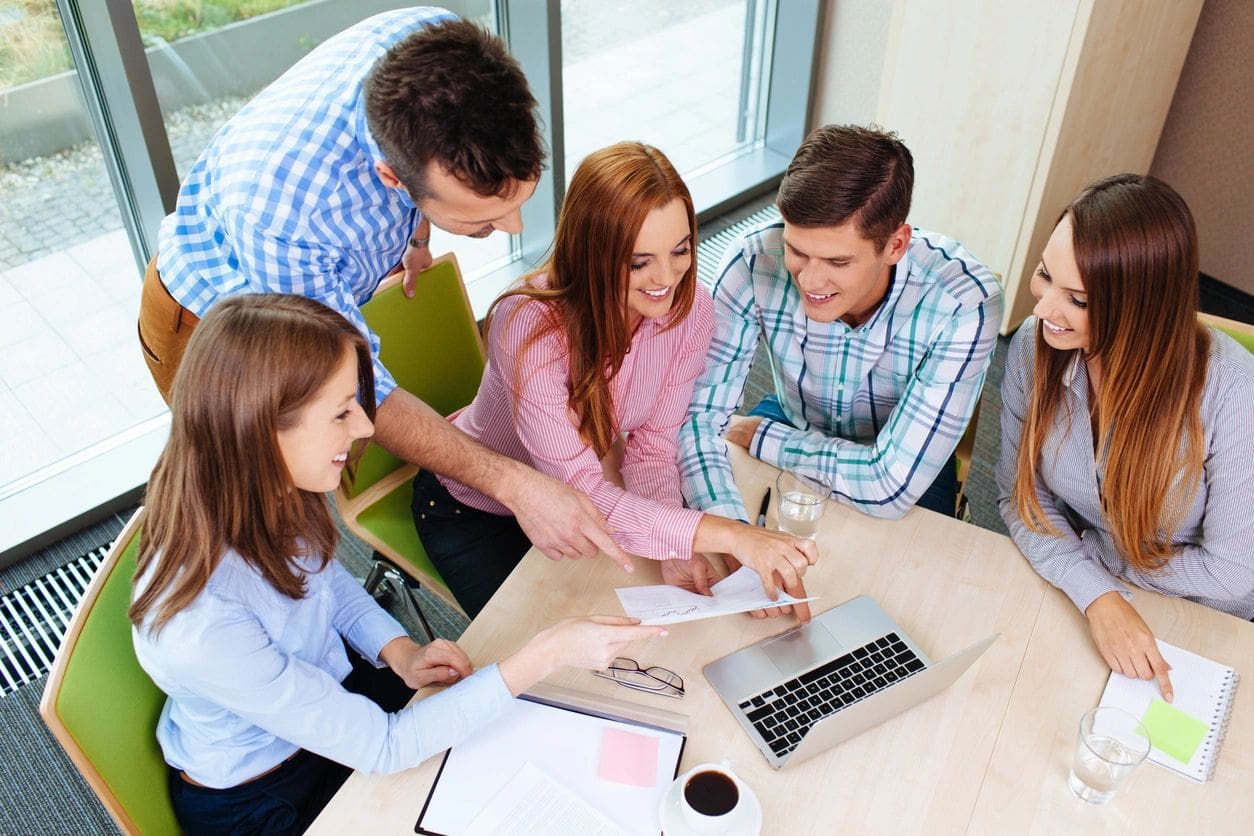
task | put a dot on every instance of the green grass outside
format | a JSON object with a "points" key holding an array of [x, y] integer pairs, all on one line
{"points": [[33, 45]]}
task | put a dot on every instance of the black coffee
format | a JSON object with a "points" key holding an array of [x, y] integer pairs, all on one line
{"points": [[711, 793]]}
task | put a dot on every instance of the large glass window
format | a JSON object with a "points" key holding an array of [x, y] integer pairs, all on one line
{"points": [[70, 372], [103, 106], [683, 77]]}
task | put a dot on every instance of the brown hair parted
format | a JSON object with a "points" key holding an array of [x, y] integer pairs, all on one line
{"points": [[1136, 248], [844, 172], [451, 92], [251, 365], [585, 280]]}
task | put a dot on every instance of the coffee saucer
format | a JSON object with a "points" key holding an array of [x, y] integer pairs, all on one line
{"points": [[673, 824]]}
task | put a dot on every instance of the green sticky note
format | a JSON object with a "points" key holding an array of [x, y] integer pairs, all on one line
{"points": [[1173, 731]]}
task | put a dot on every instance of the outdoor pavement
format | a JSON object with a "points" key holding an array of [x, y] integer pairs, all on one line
{"points": [[71, 374]]}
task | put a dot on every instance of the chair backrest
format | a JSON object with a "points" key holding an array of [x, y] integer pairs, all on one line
{"points": [[101, 706], [430, 344], [1242, 332]]}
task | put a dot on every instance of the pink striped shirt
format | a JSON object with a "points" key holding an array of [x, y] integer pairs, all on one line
{"points": [[535, 425]]}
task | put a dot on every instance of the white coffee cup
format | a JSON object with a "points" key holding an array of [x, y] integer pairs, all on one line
{"points": [[711, 798]]}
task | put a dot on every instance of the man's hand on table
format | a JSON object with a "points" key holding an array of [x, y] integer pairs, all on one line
{"points": [[741, 431], [695, 574]]}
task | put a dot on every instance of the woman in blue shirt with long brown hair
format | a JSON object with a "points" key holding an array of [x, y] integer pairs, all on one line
{"points": [[283, 675]]}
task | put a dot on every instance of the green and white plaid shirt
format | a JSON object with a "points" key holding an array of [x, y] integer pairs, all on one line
{"points": [[878, 409]]}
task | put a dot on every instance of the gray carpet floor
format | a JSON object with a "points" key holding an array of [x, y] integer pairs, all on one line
{"points": [[42, 793]]}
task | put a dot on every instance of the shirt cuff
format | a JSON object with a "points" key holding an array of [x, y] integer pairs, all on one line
{"points": [[384, 384], [447, 718], [768, 442], [371, 632], [1087, 581], [674, 532]]}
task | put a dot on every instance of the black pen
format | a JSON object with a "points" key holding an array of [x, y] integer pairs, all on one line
{"points": [[766, 503]]}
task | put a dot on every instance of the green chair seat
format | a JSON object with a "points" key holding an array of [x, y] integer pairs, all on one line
{"points": [[432, 347], [102, 707]]}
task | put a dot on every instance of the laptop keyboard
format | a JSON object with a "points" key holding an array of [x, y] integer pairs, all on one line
{"points": [[783, 714]]}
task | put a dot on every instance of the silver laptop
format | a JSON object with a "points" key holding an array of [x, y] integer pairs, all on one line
{"points": [[804, 691]]}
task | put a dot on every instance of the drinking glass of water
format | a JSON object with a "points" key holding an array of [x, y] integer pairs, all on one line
{"points": [[1112, 742], [801, 503]]}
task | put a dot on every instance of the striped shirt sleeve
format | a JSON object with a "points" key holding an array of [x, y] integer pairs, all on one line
{"points": [[1068, 560], [650, 464], [706, 474], [886, 477], [547, 429]]}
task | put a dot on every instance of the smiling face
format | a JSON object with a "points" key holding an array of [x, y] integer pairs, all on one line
{"points": [[315, 449], [1061, 300], [661, 256], [840, 274]]}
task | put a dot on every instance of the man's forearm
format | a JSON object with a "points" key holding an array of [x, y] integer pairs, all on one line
{"points": [[418, 434]]}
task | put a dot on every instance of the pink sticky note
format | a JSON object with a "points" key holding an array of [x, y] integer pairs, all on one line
{"points": [[628, 758]]}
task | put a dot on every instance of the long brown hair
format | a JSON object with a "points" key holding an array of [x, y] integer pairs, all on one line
{"points": [[611, 194], [251, 365], [1136, 248]]}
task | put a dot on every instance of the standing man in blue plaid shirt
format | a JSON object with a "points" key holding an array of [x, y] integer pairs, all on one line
{"points": [[877, 335], [329, 180]]}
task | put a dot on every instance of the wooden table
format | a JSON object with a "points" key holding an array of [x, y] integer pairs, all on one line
{"points": [[990, 754]]}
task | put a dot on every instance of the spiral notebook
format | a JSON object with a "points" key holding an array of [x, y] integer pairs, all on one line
{"points": [[1185, 734]]}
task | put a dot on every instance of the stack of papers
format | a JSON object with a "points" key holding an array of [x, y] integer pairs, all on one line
{"points": [[664, 604]]}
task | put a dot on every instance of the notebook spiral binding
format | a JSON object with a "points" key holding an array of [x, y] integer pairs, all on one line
{"points": [[1219, 723]]}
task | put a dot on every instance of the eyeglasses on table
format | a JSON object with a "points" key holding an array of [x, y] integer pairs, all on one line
{"points": [[654, 679]]}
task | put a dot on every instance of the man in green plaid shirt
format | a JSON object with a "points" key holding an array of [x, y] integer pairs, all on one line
{"points": [[878, 337]]}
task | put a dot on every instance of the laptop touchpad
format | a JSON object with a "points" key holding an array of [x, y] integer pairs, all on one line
{"points": [[798, 650]]}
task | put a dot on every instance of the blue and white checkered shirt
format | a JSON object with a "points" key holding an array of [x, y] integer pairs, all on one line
{"points": [[877, 409], [285, 198]]}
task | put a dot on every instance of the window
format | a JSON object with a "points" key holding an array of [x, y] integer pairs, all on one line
{"points": [[107, 104]]}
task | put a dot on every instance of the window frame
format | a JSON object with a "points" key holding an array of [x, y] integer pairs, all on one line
{"points": [[121, 99]]}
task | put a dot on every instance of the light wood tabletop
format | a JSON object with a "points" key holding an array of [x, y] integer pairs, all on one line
{"points": [[989, 754], [1062, 677]]}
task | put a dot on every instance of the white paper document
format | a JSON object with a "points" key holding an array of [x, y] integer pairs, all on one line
{"points": [[740, 591], [534, 804]]}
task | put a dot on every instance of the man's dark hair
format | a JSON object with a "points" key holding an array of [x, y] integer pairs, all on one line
{"points": [[452, 93], [844, 171]]}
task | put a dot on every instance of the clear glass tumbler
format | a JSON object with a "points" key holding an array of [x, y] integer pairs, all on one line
{"points": [[1111, 744], [801, 503]]}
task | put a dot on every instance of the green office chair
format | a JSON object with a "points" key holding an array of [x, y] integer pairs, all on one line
{"points": [[1242, 332], [432, 346], [101, 706]]}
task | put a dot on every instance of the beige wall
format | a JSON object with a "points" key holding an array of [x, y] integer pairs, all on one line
{"points": [[1207, 147], [1009, 106]]}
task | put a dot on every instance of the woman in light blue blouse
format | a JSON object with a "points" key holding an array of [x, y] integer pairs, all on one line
{"points": [[1127, 447], [282, 673]]}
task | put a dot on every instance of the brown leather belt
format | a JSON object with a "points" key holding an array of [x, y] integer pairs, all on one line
{"points": [[283, 762]]}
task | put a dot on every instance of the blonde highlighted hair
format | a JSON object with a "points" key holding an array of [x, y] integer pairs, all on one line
{"points": [[1136, 248]]}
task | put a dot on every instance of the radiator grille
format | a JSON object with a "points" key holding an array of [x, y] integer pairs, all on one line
{"points": [[34, 618], [710, 253]]}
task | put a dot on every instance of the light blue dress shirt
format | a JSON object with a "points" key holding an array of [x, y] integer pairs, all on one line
{"points": [[252, 676]]}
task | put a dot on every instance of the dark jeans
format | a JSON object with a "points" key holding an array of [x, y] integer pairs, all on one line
{"points": [[288, 799], [941, 496], [473, 550]]}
